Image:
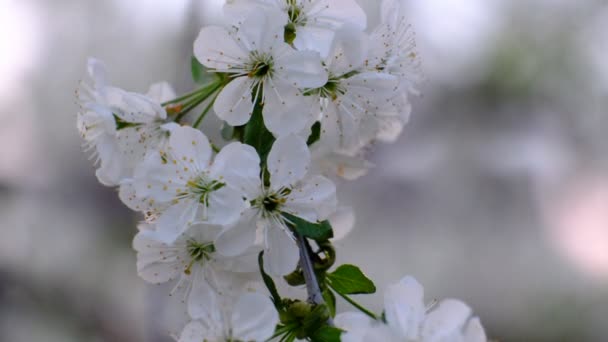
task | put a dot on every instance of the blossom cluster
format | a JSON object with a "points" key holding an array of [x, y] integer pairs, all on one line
{"points": [[303, 89]]}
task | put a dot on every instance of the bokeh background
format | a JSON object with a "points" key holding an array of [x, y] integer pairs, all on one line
{"points": [[497, 192]]}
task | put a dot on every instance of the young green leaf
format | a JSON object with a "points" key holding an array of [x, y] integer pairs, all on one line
{"points": [[348, 279], [326, 334], [320, 231], [276, 298], [330, 301], [257, 135]]}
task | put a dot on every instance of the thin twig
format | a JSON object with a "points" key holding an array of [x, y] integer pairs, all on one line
{"points": [[312, 285]]}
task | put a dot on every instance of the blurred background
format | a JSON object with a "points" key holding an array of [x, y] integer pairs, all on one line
{"points": [[496, 193]]}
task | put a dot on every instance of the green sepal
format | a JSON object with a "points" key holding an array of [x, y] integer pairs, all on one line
{"points": [[320, 231], [315, 133], [201, 74], [227, 131], [326, 334], [257, 135], [122, 124], [272, 288], [349, 280], [330, 301]]}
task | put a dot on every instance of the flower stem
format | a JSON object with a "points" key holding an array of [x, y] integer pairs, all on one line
{"points": [[358, 306], [312, 284]]}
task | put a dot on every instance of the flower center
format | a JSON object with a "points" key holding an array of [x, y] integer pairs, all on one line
{"points": [[271, 203], [199, 252], [261, 65], [202, 186]]}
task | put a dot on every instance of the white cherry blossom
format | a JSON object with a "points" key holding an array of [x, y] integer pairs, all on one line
{"points": [[353, 97], [291, 190], [311, 23], [393, 46], [252, 317], [191, 260], [264, 69], [120, 127], [188, 188], [407, 319]]}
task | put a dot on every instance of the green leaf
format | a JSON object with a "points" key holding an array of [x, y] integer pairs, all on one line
{"points": [[315, 133], [201, 74], [330, 300], [320, 231], [348, 279], [326, 334], [276, 298], [257, 135]]}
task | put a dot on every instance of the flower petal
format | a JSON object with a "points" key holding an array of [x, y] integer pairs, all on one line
{"points": [[313, 200], [474, 331], [446, 321], [161, 92], [356, 325], [286, 110], [254, 318], [302, 69], [281, 254], [175, 220], [216, 48], [235, 240], [239, 166], [234, 104], [190, 148], [225, 207], [156, 262], [404, 307], [263, 30], [288, 161]]}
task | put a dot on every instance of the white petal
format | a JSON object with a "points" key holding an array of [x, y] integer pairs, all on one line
{"points": [[225, 206], [288, 161], [234, 104], [348, 51], [356, 325], [263, 30], [237, 239], [161, 92], [156, 261], [216, 48], [203, 302], [337, 12], [314, 38], [128, 196], [281, 254], [113, 166], [97, 71], [194, 332], [302, 69], [190, 148], [447, 320], [254, 318], [286, 110], [157, 180], [313, 200], [404, 307], [474, 331], [138, 108], [342, 222], [239, 166], [176, 220]]}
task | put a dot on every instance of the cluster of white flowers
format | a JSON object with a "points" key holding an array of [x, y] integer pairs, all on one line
{"points": [[303, 87]]}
